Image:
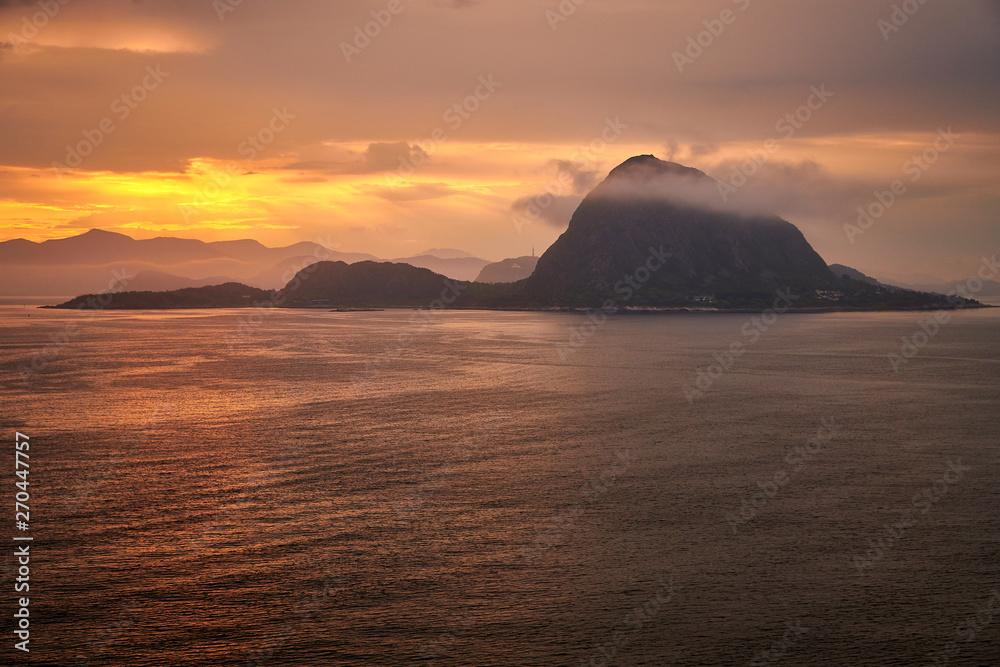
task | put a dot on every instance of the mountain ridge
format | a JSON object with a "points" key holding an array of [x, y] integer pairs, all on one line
{"points": [[509, 270], [652, 235], [86, 262], [649, 203]]}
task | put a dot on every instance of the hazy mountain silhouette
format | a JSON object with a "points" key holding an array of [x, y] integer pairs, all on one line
{"points": [[508, 271], [840, 270], [91, 261], [158, 281], [990, 288], [458, 268], [98, 260], [281, 273], [647, 206], [653, 234], [446, 253]]}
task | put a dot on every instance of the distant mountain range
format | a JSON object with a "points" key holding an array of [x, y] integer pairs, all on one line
{"points": [[158, 281], [840, 270], [446, 253], [95, 260], [990, 288], [456, 268], [654, 234]]}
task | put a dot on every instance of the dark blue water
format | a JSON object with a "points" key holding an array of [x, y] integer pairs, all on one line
{"points": [[312, 488]]}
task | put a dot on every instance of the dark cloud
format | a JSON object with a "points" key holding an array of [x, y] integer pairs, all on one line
{"points": [[581, 177], [572, 180], [553, 210], [390, 157]]}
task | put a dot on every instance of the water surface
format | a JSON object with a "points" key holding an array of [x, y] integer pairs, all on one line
{"points": [[313, 488]]}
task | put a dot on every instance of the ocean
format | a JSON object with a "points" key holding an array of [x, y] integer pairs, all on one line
{"points": [[239, 487]]}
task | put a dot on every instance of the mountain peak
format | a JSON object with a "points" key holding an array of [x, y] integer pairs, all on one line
{"points": [[650, 166], [447, 253], [96, 233], [648, 206]]}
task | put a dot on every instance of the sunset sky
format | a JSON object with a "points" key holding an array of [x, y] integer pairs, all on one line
{"points": [[284, 122]]}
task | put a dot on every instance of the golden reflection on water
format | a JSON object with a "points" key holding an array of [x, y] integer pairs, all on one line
{"points": [[310, 490]]}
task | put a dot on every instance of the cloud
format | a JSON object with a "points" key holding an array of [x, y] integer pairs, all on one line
{"points": [[600, 65], [791, 189], [571, 182], [554, 210], [457, 4], [419, 192], [682, 186], [583, 179], [378, 157], [702, 150], [304, 179], [776, 188], [387, 157]]}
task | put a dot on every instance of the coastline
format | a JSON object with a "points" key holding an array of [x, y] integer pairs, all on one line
{"points": [[635, 310]]}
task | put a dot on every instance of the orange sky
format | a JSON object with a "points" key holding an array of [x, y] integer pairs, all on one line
{"points": [[277, 121]]}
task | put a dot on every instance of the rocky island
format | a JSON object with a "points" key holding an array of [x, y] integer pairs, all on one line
{"points": [[654, 235]]}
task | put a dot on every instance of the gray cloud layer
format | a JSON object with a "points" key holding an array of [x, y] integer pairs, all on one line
{"points": [[608, 58]]}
